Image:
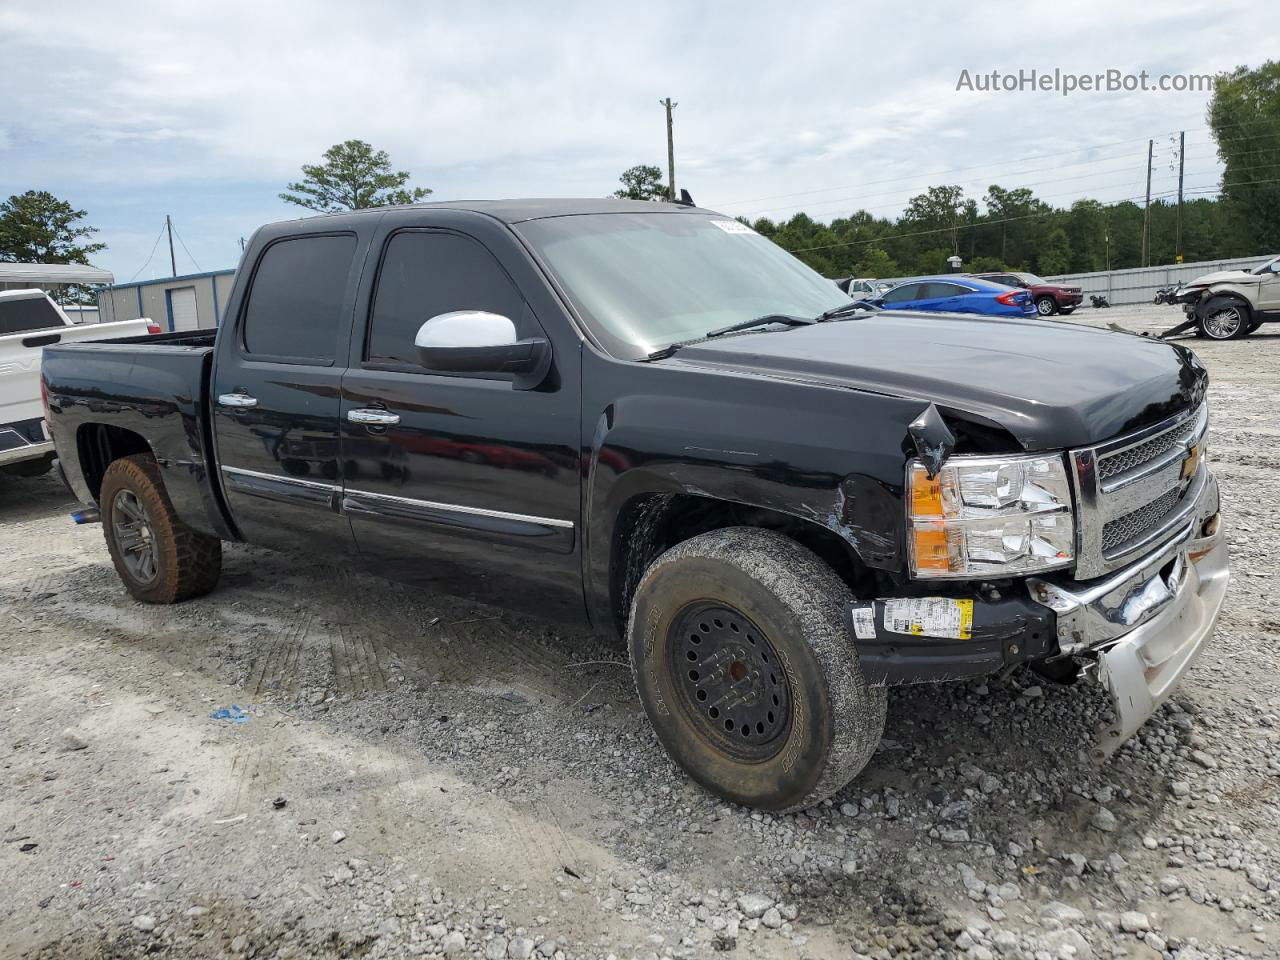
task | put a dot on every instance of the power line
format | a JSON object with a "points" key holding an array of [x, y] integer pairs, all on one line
{"points": [[911, 191], [1030, 216], [185, 250], [982, 166], [940, 173], [150, 255]]}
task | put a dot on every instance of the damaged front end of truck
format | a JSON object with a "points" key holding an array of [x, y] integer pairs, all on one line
{"points": [[1107, 561]]}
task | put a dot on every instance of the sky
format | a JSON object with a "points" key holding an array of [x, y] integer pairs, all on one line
{"points": [[205, 112]]}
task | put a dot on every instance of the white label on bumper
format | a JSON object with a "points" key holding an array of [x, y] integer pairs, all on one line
{"points": [[930, 617], [864, 623]]}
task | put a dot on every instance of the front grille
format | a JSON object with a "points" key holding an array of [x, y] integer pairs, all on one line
{"points": [[1132, 494], [1135, 457], [1134, 525]]}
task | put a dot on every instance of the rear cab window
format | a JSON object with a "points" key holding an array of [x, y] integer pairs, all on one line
{"points": [[294, 309], [24, 314]]}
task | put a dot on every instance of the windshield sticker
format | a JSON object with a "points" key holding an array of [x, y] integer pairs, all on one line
{"points": [[930, 617], [864, 623], [733, 226]]}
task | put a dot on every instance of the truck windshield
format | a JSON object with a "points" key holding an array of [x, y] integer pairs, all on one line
{"points": [[645, 281], [21, 314]]}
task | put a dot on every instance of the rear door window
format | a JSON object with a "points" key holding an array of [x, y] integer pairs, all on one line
{"points": [[427, 273], [295, 305], [904, 293]]}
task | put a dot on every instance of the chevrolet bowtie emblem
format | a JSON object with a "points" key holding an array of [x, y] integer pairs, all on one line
{"points": [[1191, 462]]}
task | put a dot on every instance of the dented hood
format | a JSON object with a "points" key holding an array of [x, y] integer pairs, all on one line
{"points": [[1223, 276], [1050, 384]]}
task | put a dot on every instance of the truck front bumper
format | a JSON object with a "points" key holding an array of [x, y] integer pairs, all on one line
{"points": [[1144, 626], [1138, 629]]}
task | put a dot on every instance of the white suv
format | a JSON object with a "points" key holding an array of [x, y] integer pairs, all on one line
{"points": [[1232, 304]]}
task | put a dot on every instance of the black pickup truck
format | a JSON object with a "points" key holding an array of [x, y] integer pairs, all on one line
{"points": [[648, 417]]}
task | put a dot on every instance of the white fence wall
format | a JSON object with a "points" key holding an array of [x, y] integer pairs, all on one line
{"points": [[1140, 284]]}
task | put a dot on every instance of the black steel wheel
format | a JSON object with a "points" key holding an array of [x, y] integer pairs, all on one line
{"points": [[747, 671], [731, 681]]}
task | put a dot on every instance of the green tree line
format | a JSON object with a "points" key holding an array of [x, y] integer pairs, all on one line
{"points": [[1016, 230]]}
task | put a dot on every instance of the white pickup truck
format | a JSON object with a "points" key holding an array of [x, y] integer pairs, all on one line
{"points": [[29, 322]]}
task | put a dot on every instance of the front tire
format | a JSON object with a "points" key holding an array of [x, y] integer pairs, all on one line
{"points": [[158, 557], [1223, 320], [1046, 306], [747, 671]]}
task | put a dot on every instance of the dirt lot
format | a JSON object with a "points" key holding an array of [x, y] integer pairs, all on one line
{"points": [[311, 762]]}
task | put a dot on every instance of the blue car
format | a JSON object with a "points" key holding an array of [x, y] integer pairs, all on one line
{"points": [[952, 294]]}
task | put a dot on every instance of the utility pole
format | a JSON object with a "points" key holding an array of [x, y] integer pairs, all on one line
{"points": [[1182, 149], [173, 263], [1146, 209], [671, 149]]}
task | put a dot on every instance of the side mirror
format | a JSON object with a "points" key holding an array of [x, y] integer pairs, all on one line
{"points": [[473, 341]]}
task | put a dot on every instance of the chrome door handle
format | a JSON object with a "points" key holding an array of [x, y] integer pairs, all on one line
{"points": [[238, 401], [373, 418]]}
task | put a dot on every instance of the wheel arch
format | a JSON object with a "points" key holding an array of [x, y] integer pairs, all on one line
{"points": [[98, 445], [1224, 296], [648, 524]]}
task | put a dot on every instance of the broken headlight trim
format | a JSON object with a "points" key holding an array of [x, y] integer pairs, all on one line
{"points": [[989, 517]]}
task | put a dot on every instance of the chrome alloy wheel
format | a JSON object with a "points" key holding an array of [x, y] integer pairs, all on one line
{"points": [[132, 529]]}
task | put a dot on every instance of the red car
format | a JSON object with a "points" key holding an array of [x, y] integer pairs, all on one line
{"points": [[1050, 298]]}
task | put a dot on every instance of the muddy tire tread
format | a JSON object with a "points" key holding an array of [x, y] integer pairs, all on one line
{"points": [[190, 562], [817, 598]]}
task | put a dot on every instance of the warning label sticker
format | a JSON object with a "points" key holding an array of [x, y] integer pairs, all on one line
{"points": [[930, 617], [864, 623]]}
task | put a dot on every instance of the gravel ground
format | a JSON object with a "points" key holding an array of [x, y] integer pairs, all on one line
{"points": [[315, 763]]}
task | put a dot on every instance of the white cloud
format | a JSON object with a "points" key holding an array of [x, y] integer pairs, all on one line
{"points": [[148, 102]]}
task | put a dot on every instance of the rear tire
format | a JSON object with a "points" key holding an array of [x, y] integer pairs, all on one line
{"points": [[1046, 306], [747, 671], [158, 557]]}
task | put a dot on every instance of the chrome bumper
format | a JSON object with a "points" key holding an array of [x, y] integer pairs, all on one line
{"points": [[27, 451], [1145, 624]]}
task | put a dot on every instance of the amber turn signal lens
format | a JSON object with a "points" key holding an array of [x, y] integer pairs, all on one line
{"points": [[931, 550], [926, 494]]}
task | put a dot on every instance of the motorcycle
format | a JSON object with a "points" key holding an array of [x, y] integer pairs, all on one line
{"points": [[1098, 301], [1166, 295]]}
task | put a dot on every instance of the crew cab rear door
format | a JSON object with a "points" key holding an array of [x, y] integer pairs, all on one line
{"points": [[462, 481], [275, 390]]}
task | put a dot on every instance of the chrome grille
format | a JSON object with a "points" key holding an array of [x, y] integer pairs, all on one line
{"points": [[1131, 492], [1134, 457], [1121, 531]]}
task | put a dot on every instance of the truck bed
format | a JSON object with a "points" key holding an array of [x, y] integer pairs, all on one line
{"points": [[149, 394]]}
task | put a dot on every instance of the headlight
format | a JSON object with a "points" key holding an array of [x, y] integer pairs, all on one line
{"points": [[990, 517]]}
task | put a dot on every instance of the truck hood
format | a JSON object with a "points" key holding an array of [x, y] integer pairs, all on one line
{"points": [[1049, 384], [1222, 276]]}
